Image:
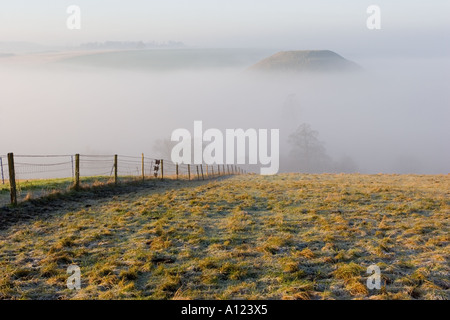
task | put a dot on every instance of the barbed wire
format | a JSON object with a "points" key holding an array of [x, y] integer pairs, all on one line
{"points": [[30, 169], [41, 164], [97, 155], [41, 156]]}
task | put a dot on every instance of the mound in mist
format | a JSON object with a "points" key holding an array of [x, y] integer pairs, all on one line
{"points": [[305, 61]]}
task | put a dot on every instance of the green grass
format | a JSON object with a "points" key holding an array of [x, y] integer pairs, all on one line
{"points": [[289, 236], [39, 188], [50, 184]]}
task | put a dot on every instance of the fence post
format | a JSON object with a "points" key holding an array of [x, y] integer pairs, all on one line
{"points": [[73, 169], [162, 169], [12, 179], [115, 169], [177, 171], [212, 168], [77, 172], [218, 170], [198, 174], [224, 172], [201, 167], [189, 171], [1, 166], [143, 168], [207, 171]]}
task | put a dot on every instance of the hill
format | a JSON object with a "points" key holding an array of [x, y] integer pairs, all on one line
{"points": [[305, 61]]}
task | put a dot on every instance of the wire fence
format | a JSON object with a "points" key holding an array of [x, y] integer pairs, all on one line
{"points": [[32, 176]]}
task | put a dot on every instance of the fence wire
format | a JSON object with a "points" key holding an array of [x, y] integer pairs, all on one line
{"points": [[39, 175]]}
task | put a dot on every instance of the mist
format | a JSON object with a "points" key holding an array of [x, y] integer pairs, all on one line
{"points": [[391, 118]]}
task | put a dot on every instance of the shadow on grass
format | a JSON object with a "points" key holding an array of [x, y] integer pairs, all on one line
{"points": [[47, 205]]}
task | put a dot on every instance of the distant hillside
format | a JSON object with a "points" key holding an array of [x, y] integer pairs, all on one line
{"points": [[170, 59], [305, 61], [130, 45], [20, 47]]}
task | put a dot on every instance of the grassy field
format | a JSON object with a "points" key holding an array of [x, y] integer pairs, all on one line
{"points": [[288, 236], [32, 189]]}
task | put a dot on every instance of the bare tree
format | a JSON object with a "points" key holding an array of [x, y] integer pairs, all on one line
{"points": [[345, 165], [163, 148], [308, 152]]}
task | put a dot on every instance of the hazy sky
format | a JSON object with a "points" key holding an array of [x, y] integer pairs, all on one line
{"points": [[409, 27], [391, 119]]}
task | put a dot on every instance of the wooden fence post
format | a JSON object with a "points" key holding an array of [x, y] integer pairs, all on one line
{"points": [[115, 169], [1, 166], [73, 168], [77, 172], [12, 179], [201, 167], [177, 171], [212, 169], [143, 168], [224, 172], [189, 171], [207, 171], [218, 170], [162, 169], [198, 174]]}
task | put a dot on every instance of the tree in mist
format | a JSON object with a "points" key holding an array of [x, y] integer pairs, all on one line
{"points": [[163, 148], [308, 152], [345, 165]]}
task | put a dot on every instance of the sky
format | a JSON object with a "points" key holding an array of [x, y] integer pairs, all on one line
{"points": [[412, 28], [397, 110]]}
